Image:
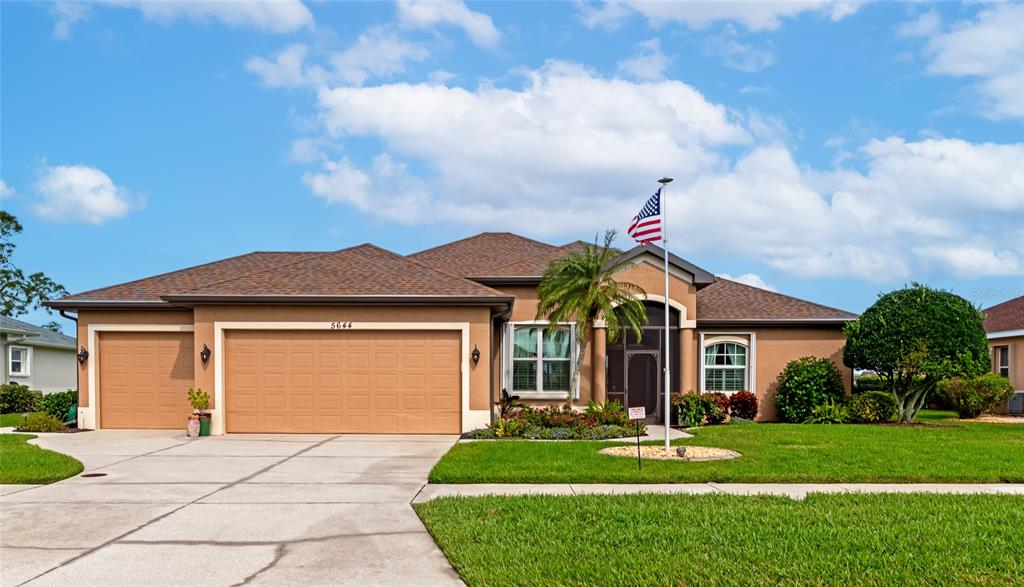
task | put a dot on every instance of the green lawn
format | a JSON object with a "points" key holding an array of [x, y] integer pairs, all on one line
{"points": [[25, 463], [10, 419], [950, 452], [910, 539]]}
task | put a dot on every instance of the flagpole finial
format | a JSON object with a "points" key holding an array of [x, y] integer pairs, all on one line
{"points": [[665, 180]]}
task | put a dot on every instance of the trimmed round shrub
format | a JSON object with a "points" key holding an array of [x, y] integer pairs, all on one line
{"points": [[40, 422], [58, 404], [806, 383], [971, 397], [716, 407], [743, 405], [871, 406], [16, 398]]}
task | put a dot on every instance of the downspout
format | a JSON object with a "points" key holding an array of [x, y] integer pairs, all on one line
{"points": [[64, 314]]}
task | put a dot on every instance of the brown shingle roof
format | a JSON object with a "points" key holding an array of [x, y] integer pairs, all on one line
{"points": [[534, 265], [488, 254], [150, 289], [726, 300], [364, 270], [1008, 315]]}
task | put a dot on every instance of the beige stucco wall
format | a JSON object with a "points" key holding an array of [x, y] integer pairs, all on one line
{"points": [[203, 319], [1016, 344]]}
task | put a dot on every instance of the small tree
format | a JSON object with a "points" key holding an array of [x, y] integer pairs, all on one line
{"points": [[581, 286], [914, 338], [20, 293]]}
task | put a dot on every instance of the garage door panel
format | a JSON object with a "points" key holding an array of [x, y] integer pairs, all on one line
{"points": [[344, 381], [143, 379]]}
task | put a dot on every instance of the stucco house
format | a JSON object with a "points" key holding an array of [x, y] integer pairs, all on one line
{"points": [[37, 357], [365, 340], [1004, 325]]}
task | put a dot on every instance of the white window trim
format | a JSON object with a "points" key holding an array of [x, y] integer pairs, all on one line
{"points": [[709, 338], [1009, 359], [506, 376], [26, 361]]}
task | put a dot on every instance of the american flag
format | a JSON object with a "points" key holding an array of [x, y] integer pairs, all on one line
{"points": [[646, 225]]}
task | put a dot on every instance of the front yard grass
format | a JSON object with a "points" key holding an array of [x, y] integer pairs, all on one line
{"points": [[21, 462], [7, 420], [841, 539], [947, 452]]}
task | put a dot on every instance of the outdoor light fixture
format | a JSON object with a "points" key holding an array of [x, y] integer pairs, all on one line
{"points": [[476, 354], [205, 354], [83, 356]]}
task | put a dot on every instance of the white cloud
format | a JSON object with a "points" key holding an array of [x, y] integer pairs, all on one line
{"points": [[988, 49], [275, 16], [376, 53], [80, 193], [737, 55], [427, 13], [65, 14], [647, 64], [286, 70], [756, 90], [5, 190], [751, 279], [926, 25], [570, 149], [754, 16]]}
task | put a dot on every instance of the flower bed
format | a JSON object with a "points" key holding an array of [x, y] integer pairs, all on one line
{"points": [[597, 422]]}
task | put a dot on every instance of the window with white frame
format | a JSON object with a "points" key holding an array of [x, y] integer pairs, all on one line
{"points": [[541, 360], [1002, 360], [17, 360], [725, 367]]}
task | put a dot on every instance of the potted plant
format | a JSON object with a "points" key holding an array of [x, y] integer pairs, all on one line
{"points": [[200, 401]]}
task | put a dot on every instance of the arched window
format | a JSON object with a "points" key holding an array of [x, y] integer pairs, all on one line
{"points": [[725, 367]]}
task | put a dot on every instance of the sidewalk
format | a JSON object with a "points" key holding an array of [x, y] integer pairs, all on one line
{"points": [[791, 490]]}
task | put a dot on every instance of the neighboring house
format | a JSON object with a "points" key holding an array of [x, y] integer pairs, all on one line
{"points": [[1004, 324], [366, 340], [37, 357]]}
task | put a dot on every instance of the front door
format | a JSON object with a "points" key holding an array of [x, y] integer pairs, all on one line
{"points": [[642, 381]]}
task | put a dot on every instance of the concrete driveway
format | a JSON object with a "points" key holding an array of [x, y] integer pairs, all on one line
{"points": [[229, 510]]}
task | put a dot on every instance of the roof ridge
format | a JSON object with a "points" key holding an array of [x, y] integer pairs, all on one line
{"points": [[479, 234], [250, 273], [434, 269], [782, 295]]}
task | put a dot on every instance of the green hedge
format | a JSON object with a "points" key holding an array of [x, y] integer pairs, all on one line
{"points": [[15, 398], [806, 383]]}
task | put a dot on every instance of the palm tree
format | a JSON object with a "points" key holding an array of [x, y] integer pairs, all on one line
{"points": [[581, 286]]}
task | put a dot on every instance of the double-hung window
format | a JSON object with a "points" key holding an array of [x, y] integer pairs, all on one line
{"points": [[17, 361], [541, 360], [725, 367], [1002, 360]]}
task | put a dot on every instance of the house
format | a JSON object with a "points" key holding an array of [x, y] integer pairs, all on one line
{"points": [[1004, 325], [365, 340], [37, 357]]}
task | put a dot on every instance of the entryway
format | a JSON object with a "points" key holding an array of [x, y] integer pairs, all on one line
{"points": [[635, 375]]}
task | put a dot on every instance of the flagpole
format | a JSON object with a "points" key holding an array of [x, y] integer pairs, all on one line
{"points": [[668, 345]]}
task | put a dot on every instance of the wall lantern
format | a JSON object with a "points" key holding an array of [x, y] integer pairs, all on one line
{"points": [[476, 354], [83, 356], [205, 354]]}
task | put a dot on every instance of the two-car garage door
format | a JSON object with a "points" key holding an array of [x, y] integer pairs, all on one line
{"points": [[355, 381], [348, 381]]}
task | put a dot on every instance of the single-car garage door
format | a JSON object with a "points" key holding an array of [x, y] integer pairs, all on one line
{"points": [[344, 381], [144, 379]]}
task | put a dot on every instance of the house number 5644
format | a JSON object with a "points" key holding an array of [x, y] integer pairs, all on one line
{"points": [[340, 325]]}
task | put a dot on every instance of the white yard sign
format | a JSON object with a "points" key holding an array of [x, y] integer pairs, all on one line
{"points": [[637, 413]]}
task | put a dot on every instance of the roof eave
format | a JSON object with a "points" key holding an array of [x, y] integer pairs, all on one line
{"points": [[392, 300], [507, 280], [707, 322], [109, 305], [1005, 333]]}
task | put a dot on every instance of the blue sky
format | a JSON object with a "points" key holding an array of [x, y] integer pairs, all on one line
{"points": [[830, 151]]}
